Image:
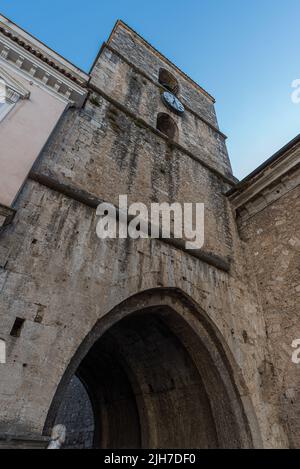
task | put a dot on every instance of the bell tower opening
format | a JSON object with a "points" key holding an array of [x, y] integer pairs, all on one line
{"points": [[167, 126], [167, 80]]}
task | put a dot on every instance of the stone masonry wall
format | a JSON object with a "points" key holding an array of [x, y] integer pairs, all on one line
{"points": [[273, 254], [58, 276], [143, 97], [143, 56], [104, 152]]}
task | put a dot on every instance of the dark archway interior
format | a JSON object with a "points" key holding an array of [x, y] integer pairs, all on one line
{"points": [[76, 413], [147, 389]]}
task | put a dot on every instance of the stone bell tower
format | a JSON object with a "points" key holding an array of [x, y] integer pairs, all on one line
{"points": [[166, 343]]}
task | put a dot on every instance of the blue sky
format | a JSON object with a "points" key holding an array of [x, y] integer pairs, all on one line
{"points": [[244, 52]]}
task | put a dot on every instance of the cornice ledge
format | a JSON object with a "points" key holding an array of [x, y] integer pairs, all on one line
{"points": [[24, 62], [50, 180], [281, 172], [44, 53], [23, 441]]}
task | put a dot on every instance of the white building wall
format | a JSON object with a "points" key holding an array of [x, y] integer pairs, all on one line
{"points": [[23, 133]]}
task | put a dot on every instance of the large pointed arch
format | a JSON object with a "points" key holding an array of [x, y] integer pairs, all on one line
{"points": [[215, 398]]}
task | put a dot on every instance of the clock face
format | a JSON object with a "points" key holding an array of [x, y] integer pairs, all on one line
{"points": [[172, 102]]}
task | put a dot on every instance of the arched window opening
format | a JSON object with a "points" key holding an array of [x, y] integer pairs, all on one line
{"points": [[167, 126], [168, 81]]}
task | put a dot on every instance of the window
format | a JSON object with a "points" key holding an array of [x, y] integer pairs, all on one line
{"points": [[167, 126], [168, 81], [2, 106], [17, 327], [5, 108], [8, 98]]}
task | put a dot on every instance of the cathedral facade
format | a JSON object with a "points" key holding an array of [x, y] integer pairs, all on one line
{"points": [[139, 343]]}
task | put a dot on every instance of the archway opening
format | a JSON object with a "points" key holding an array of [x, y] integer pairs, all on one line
{"points": [[153, 383], [168, 80], [166, 125]]}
